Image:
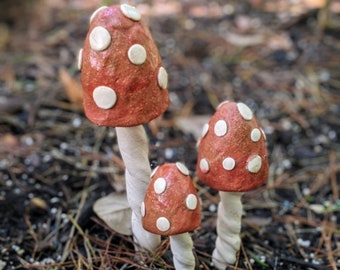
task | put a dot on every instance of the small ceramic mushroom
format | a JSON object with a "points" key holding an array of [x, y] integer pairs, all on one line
{"points": [[125, 86], [232, 158], [122, 75], [171, 207]]}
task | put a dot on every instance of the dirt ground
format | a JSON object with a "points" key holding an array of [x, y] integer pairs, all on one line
{"points": [[281, 58]]}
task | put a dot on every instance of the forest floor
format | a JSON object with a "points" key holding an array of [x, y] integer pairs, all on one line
{"points": [[279, 57]]}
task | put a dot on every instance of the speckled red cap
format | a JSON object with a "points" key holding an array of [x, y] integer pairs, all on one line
{"points": [[232, 154], [171, 205], [122, 75]]}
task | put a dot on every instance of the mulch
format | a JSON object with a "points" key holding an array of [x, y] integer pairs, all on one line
{"points": [[54, 164]]}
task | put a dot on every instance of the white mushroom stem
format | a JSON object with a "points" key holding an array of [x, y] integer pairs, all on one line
{"points": [[228, 240], [134, 148], [181, 246]]}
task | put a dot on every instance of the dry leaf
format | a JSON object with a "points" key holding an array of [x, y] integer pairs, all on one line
{"points": [[258, 221], [5, 36], [115, 211], [294, 7], [8, 142], [38, 203], [244, 40], [11, 104], [279, 41], [317, 208], [73, 89], [314, 3], [192, 124]]}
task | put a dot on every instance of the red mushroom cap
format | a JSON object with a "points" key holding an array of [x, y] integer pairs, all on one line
{"points": [[122, 76], [232, 154], [171, 205]]}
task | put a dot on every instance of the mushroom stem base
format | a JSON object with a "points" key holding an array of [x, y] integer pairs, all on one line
{"points": [[228, 229], [181, 246]]}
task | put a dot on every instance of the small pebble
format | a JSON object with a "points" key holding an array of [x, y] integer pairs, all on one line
{"points": [[304, 243], [9, 183], [28, 140], [212, 208], [54, 200], [324, 76], [287, 164], [17, 191], [306, 191], [332, 135], [63, 146], [47, 158], [315, 261], [76, 122], [169, 153]]}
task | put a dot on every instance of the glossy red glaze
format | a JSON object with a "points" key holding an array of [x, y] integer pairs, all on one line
{"points": [[139, 96], [171, 204], [235, 144]]}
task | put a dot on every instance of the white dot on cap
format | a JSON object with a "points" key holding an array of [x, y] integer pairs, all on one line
{"points": [[264, 134], [228, 163], [220, 128], [80, 59], [191, 202], [254, 164], [96, 12], [204, 165], [198, 142], [104, 97], [131, 12], [255, 135], [162, 78], [205, 130], [163, 224], [160, 185], [100, 38], [244, 110], [182, 168], [137, 54], [222, 103], [142, 209], [154, 171]]}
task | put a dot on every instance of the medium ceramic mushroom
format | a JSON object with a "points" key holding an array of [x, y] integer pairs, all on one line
{"points": [[171, 207], [232, 158], [125, 86]]}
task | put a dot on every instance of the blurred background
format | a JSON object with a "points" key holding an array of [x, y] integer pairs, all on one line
{"points": [[280, 57]]}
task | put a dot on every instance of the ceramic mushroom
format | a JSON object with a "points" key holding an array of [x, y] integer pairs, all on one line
{"points": [[171, 207], [232, 158], [125, 86]]}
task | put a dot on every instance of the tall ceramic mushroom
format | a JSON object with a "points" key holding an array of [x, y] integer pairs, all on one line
{"points": [[232, 158], [125, 86], [171, 207]]}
